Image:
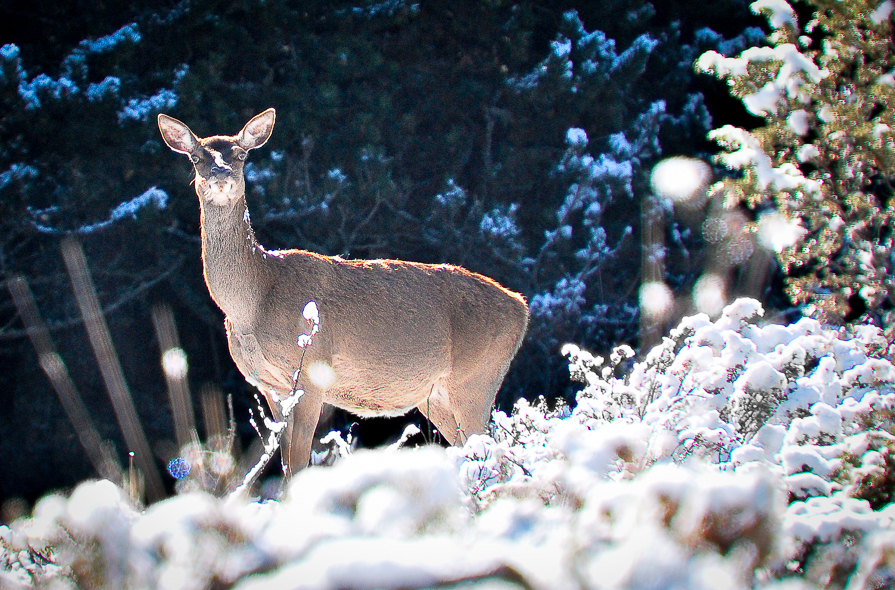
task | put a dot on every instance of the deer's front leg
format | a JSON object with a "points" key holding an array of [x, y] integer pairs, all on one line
{"points": [[299, 436]]}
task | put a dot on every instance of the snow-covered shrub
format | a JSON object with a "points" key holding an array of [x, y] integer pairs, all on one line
{"points": [[809, 407], [734, 455]]}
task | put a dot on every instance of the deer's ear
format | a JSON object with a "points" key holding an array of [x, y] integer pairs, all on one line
{"points": [[177, 135], [257, 131]]}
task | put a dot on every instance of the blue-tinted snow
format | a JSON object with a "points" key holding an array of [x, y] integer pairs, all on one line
{"points": [[453, 197], [75, 63], [153, 196], [108, 87], [17, 172], [73, 71], [576, 137], [500, 223], [9, 51], [385, 9], [139, 109]]}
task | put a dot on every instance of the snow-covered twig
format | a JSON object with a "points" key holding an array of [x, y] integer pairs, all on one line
{"points": [[276, 428]]}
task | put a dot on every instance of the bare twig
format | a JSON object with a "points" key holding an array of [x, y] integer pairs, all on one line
{"points": [[175, 369], [56, 371], [110, 367], [108, 309]]}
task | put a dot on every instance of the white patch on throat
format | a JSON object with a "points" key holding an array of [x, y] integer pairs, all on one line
{"points": [[217, 192]]}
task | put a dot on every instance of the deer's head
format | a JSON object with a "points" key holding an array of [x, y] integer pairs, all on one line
{"points": [[218, 160]]}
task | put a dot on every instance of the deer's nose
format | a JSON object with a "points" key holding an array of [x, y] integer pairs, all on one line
{"points": [[218, 171]]}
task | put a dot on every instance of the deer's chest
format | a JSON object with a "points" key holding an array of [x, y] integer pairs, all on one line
{"points": [[257, 365]]}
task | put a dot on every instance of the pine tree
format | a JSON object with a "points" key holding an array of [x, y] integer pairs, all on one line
{"points": [[819, 171]]}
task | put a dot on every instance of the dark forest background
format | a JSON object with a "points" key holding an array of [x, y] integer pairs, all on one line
{"points": [[434, 131]]}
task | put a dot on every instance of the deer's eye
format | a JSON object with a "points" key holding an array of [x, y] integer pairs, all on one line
{"points": [[241, 155], [194, 158]]}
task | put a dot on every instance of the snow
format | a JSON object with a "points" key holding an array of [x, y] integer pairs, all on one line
{"points": [[43, 84], [153, 195], [735, 454], [780, 13], [642, 45], [595, 57], [882, 12], [129, 209], [311, 313], [110, 86], [887, 79], [794, 69], [337, 175], [500, 222], [139, 109], [807, 152], [576, 137], [384, 9], [9, 51], [17, 172], [258, 175], [73, 71], [105, 44], [798, 121], [561, 47], [776, 232]]}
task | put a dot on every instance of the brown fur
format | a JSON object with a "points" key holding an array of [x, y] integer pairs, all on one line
{"points": [[395, 334]]}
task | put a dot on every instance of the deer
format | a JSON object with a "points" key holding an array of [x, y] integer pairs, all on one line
{"points": [[394, 335]]}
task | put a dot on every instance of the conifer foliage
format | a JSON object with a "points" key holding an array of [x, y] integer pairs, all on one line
{"points": [[819, 171]]}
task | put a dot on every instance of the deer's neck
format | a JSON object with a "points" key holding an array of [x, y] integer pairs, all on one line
{"points": [[235, 264]]}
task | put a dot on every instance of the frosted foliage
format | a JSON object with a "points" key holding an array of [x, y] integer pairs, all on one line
{"points": [[73, 72], [153, 197], [793, 404], [823, 83], [735, 455], [746, 153], [576, 137], [600, 168], [794, 71], [17, 173]]}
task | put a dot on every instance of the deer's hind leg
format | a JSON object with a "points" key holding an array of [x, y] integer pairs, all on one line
{"points": [[471, 399], [476, 376]]}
